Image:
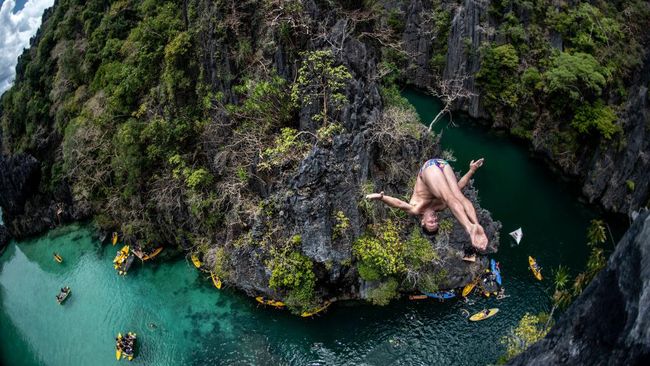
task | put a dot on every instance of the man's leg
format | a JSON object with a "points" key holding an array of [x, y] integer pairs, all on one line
{"points": [[479, 239], [437, 184], [453, 186]]}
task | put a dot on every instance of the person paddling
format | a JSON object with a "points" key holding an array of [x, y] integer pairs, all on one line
{"points": [[436, 188]]}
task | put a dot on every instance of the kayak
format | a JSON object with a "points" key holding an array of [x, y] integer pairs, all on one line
{"points": [[121, 255], [196, 261], [129, 356], [441, 295], [482, 315], [495, 269], [58, 258], [274, 303], [126, 265], [537, 272], [417, 297], [468, 288], [114, 238], [63, 295], [306, 314], [118, 349], [153, 254], [216, 280]]}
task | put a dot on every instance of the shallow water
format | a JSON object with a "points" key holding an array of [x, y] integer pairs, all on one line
{"points": [[181, 318]]}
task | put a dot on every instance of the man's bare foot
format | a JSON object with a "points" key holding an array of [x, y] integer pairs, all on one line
{"points": [[470, 258], [478, 237]]}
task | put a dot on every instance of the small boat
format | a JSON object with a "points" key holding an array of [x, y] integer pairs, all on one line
{"points": [[63, 295], [114, 238], [468, 288], [196, 261], [151, 255], [441, 295], [418, 297], [124, 267], [482, 315], [274, 303], [495, 269], [58, 258], [121, 256], [306, 314], [118, 346], [125, 346], [517, 235], [216, 280], [537, 271]]}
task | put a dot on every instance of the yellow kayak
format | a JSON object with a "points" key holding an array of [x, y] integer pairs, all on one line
{"points": [[535, 268], [274, 303], [482, 315], [114, 238], [153, 254], [118, 350], [196, 261], [58, 258], [124, 252], [468, 288], [216, 280], [316, 311]]}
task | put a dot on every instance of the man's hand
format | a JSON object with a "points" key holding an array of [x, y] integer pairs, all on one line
{"points": [[474, 165], [375, 196]]}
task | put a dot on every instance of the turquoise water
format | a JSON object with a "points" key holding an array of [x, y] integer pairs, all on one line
{"points": [[181, 318]]}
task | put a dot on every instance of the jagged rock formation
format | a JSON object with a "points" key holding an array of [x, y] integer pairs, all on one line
{"points": [[609, 323]]}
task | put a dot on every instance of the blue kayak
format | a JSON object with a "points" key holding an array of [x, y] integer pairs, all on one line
{"points": [[496, 271], [442, 295]]}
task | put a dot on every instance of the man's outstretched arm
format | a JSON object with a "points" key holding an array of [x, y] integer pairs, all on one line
{"points": [[393, 202], [473, 167]]}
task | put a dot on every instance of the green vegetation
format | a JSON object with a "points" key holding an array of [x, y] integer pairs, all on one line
{"points": [[598, 117], [293, 271], [529, 330], [382, 294], [562, 63], [319, 81], [380, 253]]}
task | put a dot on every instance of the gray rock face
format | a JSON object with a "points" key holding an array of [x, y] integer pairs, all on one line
{"points": [[469, 30], [619, 179], [609, 324], [19, 179]]}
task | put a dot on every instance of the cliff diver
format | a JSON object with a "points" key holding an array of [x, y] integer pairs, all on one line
{"points": [[436, 188]]}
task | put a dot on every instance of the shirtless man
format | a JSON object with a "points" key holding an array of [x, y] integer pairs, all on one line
{"points": [[436, 188]]}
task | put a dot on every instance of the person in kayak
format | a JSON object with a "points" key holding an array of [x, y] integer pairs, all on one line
{"points": [[436, 188]]}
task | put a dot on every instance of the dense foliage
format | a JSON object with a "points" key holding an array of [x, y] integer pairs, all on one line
{"points": [[557, 62]]}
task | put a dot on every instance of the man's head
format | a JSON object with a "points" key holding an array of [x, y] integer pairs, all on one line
{"points": [[429, 221]]}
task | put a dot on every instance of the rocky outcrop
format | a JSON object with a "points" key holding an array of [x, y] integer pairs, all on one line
{"points": [[609, 323]]}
